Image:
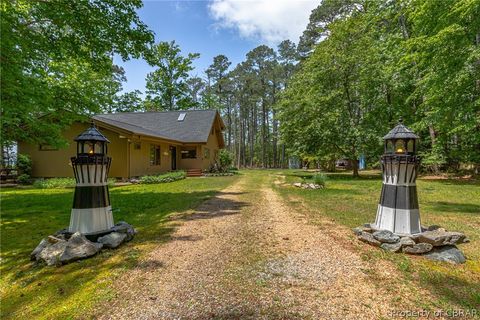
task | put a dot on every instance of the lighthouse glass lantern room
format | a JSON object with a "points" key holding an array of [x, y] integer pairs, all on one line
{"points": [[398, 209], [91, 212]]}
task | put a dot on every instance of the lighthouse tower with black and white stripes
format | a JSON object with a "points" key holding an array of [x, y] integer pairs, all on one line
{"points": [[398, 209], [91, 212]]}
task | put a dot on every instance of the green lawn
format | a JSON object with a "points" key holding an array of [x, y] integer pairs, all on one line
{"points": [[28, 215], [452, 204]]}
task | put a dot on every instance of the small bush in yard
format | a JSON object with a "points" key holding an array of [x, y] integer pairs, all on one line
{"points": [[24, 164], [163, 178], [225, 159], [54, 183], [220, 174], [58, 183], [24, 167], [320, 179], [223, 164], [24, 179]]}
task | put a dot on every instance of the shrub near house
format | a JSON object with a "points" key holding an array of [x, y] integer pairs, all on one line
{"points": [[163, 178]]}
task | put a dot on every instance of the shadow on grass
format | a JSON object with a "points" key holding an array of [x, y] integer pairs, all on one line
{"points": [[216, 207], [31, 216], [186, 238], [455, 207], [22, 229], [459, 182], [452, 289], [150, 265]]}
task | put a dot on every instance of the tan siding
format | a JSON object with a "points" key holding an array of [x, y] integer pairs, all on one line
{"points": [[140, 159], [117, 149], [212, 145]]}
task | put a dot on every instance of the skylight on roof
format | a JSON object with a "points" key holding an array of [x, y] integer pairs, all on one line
{"points": [[181, 116]]}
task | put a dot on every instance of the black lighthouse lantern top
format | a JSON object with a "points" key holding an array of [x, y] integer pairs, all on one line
{"points": [[91, 142], [401, 140]]}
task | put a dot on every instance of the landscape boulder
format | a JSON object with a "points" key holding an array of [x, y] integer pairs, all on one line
{"points": [[368, 238], [56, 251], [42, 245], [407, 241], [112, 240], [358, 231], [368, 227], [364, 228], [440, 237], [418, 248], [392, 247], [447, 254], [52, 252], [385, 236], [123, 227], [63, 234], [307, 185], [79, 247]]}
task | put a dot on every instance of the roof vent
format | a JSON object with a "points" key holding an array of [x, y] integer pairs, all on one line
{"points": [[181, 116]]}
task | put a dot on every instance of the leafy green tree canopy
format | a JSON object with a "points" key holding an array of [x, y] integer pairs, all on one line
{"points": [[56, 62], [167, 87]]}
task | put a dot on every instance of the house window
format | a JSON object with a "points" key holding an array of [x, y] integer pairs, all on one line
{"points": [[154, 155], [137, 146], [47, 147], [189, 153], [206, 153]]}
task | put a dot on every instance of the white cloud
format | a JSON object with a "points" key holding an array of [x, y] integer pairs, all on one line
{"points": [[268, 20]]}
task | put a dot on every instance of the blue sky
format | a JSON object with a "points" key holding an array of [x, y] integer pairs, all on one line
{"points": [[229, 27]]}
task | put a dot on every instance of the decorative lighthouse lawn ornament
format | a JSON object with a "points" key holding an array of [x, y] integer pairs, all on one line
{"points": [[91, 212], [398, 209]]}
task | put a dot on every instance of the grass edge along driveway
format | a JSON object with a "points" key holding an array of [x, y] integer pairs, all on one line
{"points": [[28, 215]]}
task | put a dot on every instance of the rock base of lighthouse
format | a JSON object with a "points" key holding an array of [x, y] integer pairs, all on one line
{"points": [[432, 242], [64, 246]]}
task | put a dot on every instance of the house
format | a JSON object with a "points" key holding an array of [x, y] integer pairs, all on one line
{"points": [[142, 143]]}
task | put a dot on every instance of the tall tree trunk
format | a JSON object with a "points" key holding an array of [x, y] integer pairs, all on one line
{"points": [[244, 147], [355, 167], [229, 120], [403, 26], [239, 141], [2, 154], [275, 141], [477, 40], [253, 130], [433, 138], [264, 136]]}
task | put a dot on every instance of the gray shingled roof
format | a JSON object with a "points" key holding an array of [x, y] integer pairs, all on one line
{"points": [[400, 132], [194, 128]]}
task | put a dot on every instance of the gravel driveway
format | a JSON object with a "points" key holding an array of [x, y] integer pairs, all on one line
{"points": [[247, 254]]}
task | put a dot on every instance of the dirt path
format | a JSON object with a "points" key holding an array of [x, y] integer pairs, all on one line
{"points": [[247, 254]]}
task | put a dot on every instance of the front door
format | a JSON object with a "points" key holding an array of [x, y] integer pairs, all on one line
{"points": [[174, 158]]}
